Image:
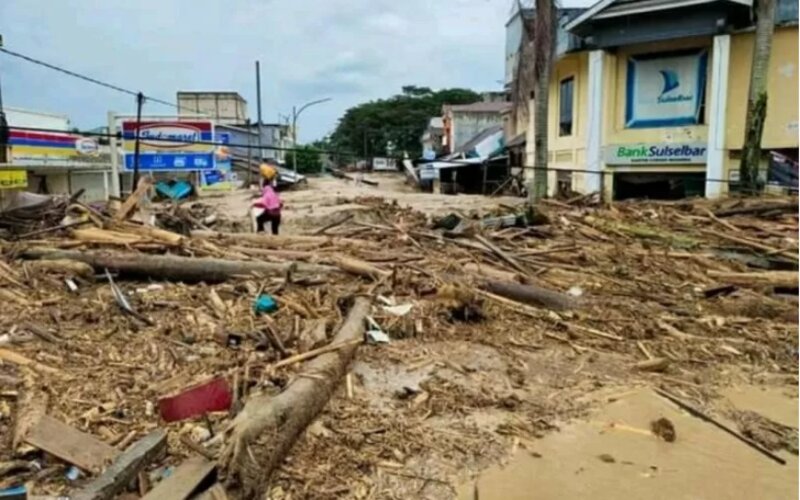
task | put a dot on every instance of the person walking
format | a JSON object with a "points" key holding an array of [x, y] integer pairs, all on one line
{"points": [[269, 202]]}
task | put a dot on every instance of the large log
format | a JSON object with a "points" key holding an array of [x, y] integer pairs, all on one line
{"points": [[267, 427], [530, 294], [175, 268], [282, 241], [783, 279]]}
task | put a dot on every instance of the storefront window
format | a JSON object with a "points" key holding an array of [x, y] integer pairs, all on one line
{"points": [[666, 90], [565, 98]]}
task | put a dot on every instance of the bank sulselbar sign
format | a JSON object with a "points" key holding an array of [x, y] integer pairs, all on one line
{"points": [[656, 154]]}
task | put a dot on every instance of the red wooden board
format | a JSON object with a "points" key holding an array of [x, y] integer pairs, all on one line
{"points": [[214, 395]]}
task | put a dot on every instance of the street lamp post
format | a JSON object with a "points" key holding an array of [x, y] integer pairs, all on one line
{"points": [[295, 114]]}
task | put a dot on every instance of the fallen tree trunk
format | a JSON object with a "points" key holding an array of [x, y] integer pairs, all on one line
{"points": [[281, 241], [784, 279], [175, 268], [266, 429], [759, 209], [530, 294]]}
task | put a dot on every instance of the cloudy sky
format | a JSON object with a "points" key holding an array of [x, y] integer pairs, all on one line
{"points": [[349, 50]]}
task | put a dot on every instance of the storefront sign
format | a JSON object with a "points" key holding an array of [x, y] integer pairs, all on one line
{"points": [[656, 154], [13, 179], [46, 148], [169, 145], [665, 90]]}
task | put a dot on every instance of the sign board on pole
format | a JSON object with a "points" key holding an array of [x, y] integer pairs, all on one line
{"points": [[656, 154], [428, 172], [169, 144]]}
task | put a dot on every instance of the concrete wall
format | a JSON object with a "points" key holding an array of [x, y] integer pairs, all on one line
{"points": [[780, 129], [224, 107], [467, 125]]}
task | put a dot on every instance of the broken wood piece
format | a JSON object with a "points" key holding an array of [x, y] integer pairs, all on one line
{"points": [[758, 209], [333, 224], [267, 427], [64, 266], [358, 267], [19, 359], [31, 407], [493, 273], [172, 267], [783, 279], [283, 241], [197, 447], [530, 294], [187, 478], [699, 414], [503, 255], [652, 365], [213, 395], [125, 468], [753, 244], [42, 333], [297, 358], [70, 444], [129, 205], [215, 492], [593, 331]]}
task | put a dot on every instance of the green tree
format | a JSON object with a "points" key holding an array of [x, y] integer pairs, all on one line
{"points": [[366, 129], [308, 159]]}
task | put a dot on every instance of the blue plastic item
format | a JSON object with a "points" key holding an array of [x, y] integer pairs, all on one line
{"points": [[265, 304], [174, 189], [14, 493]]}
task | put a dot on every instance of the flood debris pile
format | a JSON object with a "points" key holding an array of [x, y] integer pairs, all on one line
{"points": [[179, 359]]}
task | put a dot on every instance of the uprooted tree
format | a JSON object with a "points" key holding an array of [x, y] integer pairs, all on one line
{"points": [[757, 100]]}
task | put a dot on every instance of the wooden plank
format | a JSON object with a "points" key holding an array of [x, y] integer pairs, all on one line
{"points": [[125, 468], [184, 481], [216, 492], [70, 444]]}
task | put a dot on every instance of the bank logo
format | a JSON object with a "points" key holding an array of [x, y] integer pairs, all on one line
{"points": [[670, 80]]}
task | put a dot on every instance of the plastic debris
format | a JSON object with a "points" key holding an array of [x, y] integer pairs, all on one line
{"points": [[214, 395], [73, 473], [375, 334], [265, 304]]}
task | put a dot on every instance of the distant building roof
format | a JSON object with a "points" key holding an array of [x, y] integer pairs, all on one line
{"points": [[480, 107], [476, 140], [605, 9]]}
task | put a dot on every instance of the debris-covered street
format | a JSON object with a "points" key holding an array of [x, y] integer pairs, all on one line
{"points": [[650, 343]]}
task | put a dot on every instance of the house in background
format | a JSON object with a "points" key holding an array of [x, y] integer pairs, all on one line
{"points": [[654, 105], [225, 108], [432, 137], [462, 122]]}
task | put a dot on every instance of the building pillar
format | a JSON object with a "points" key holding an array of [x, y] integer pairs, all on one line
{"points": [[594, 128], [718, 99]]}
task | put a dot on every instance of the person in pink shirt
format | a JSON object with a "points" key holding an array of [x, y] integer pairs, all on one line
{"points": [[270, 203]]}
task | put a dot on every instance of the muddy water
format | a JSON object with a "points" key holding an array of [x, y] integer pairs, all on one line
{"points": [[616, 456], [779, 405]]}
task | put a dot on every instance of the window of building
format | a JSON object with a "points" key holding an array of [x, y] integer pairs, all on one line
{"points": [[566, 90]]}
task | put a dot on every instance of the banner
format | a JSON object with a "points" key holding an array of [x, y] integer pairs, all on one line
{"points": [[665, 90], [169, 144]]}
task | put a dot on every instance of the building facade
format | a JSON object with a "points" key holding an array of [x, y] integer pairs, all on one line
{"points": [[655, 105], [225, 108], [462, 122]]}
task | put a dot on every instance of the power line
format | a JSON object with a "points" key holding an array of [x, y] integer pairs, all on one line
{"points": [[85, 77]]}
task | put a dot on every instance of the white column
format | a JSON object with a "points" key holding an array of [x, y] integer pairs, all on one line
{"points": [[112, 141], [717, 99], [594, 128]]}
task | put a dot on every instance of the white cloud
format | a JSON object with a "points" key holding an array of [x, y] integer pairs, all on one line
{"points": [[350, 50]]}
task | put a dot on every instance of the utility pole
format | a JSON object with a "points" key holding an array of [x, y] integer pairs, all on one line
{"points": [[249, 155], [139, 103], [3, 124], [258, 105]]}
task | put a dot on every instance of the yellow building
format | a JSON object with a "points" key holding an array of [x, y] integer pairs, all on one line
{"points": [[655, 104]]}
